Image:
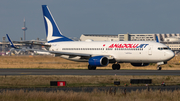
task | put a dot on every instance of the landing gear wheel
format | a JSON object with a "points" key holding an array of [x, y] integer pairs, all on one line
{"points": [[91, 67], [159, 68], [115, 66], [94, 68]]}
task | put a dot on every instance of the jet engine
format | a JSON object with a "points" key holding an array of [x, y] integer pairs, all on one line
{"points": [[140, 64], [98, 61]]}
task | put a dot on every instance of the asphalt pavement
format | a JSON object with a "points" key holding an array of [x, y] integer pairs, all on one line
{"points": [[85, 72]]}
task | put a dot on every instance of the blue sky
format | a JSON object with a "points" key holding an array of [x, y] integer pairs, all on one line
{"points": [[76, 17]]}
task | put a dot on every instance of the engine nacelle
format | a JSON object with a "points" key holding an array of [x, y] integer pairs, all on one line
{"points": [[140, 64], [98, 61]]}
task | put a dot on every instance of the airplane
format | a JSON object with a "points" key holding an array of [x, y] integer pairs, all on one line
{"points": [[18, 50], [15, 49], [101, 53]]}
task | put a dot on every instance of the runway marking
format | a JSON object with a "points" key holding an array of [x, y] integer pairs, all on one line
{"points": [[25, 73]]}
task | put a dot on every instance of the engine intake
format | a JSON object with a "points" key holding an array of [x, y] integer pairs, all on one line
{"points": [[98, 61], [140, 64]]}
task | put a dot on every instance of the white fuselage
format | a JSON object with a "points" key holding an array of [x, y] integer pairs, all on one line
{"points": [[121, 51]]}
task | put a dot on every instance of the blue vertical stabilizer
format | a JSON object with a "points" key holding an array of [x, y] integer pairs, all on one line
{"points": [[157, 40], [11, 43], [53, 34]]}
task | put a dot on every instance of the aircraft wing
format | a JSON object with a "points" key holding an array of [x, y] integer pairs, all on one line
{"points": [[58, 53], [32, 43], [62, 53], [24, 42]]}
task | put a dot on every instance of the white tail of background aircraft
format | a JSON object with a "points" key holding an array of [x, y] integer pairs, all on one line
{"points": [[100, 54]]}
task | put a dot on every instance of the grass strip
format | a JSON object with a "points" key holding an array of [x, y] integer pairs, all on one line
{"points": [[119, 95], [49, 62], [80, 81]]}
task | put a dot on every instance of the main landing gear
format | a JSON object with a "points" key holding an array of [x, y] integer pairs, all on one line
{"points": [[91, 67], [159, 67], [116, 66]]}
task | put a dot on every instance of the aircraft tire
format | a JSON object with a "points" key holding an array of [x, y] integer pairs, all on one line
{"points": [[91, 67], [159, 68], [118, 66], [115, 66], [94, 67]]}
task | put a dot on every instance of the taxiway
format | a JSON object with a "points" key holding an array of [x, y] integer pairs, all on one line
{"points": [[85, 72]]}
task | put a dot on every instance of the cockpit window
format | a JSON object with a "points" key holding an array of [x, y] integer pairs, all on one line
{"points": [[163, 48]]}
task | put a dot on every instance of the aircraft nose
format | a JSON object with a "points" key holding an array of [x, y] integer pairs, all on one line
{"points": [[170, 54]]}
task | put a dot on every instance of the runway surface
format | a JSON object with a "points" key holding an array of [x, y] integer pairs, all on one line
{"points": [[85, 72]]}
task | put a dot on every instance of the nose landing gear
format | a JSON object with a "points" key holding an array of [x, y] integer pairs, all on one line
{"points": [[159, 67], [160, 63]]}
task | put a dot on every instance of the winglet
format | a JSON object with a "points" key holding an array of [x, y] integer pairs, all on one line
{"points": [[53, 33], [10, 42], [157, 40]]}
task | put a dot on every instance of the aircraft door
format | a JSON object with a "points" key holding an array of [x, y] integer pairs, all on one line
{"points": [[104, 50], [150, 50]]}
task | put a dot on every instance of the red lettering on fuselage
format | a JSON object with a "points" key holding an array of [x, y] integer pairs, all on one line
{"points": [[111, 46], [123, 45]]}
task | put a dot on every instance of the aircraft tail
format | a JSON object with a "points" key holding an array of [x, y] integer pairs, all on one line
{"points": [[11, 43], [53, 34], [157, 40]]}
